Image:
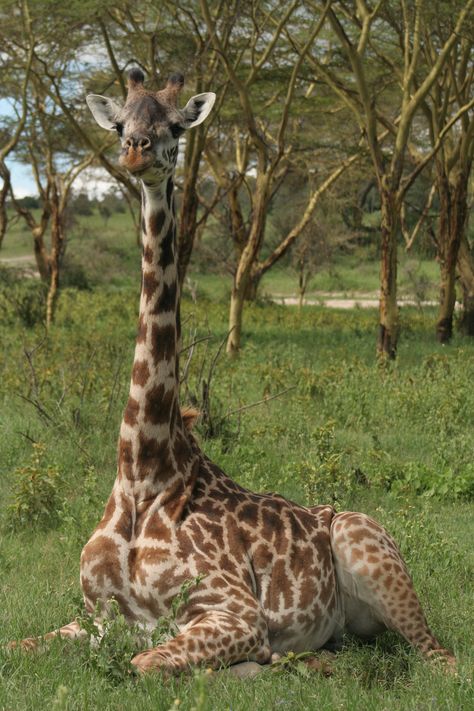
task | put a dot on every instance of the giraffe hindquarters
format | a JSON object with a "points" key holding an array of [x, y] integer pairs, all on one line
{"points": [[71, 631], [375, 587], [214, 639]]}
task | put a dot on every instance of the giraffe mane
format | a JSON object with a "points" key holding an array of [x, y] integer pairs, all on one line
{"points": [[189, 416]]}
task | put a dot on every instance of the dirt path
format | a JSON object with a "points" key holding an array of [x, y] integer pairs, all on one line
{"points": [[18, 261], [333, 300]]}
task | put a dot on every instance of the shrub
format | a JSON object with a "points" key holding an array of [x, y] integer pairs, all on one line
{"points": [[21, 298], [323, 475], [114, 641], [35, 495]]}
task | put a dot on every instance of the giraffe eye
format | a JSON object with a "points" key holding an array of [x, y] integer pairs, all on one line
{"points": [[176, 130], [119, 128]]}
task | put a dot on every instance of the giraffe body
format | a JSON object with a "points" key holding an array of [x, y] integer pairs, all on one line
{"points": [[297, 578], [274, 576], [265, 560]]}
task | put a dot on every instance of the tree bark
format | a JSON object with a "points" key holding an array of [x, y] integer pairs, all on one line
{"points": [[57, 251], [189, 201], [252, 285], [246, 262], [465, 265], [236, 310], [389, 318], [41, 254], [452, 192]]}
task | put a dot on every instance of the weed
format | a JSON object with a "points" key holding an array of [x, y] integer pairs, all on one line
{"points": [[79, 517], [22, 299], [114, 641], [324, 476], [36, 500], [167, 627]]}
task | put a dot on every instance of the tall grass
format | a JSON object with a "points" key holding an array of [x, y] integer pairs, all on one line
{"points": [[394, 442]]}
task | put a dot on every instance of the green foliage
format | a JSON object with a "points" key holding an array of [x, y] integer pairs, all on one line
{"points": [[375, 432], [113, 641], [80, 517], [21, 299], [36, 500], [323, 474], [167, 627]]}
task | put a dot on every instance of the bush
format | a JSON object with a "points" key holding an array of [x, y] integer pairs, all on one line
{"points": [[21, 298], [35, 495]]}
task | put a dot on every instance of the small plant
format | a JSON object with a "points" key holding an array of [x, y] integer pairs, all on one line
{"points": [[36, 498], [167, 627], [323, 475], [21, 299], [201, 700], [114, 641], [79, 517], [303, 664]]}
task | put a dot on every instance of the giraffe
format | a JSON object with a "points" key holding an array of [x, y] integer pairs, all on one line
{"points": [[274, 576]]}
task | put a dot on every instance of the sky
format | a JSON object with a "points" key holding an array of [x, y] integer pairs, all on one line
{"points": [[94, 181]]}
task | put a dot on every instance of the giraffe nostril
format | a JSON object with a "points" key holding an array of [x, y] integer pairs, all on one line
{"points": [[144, 143]]}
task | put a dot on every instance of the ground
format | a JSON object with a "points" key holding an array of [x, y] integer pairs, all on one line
{"points": [[396, 443]]}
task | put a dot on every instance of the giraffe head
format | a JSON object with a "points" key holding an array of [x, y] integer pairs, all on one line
{"points": [[149, 124]]}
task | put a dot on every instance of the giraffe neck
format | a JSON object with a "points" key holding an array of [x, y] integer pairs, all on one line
{"points": [[155, 454]]}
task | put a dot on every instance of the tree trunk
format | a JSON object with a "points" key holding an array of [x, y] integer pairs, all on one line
{"points": [[389, 319], [57, 251], [236, 310], [453, 212], [41, 254], [51, 298], [247, 259], [447, 301], [189, 201], [187, 231], [252, 285], [5, 175], [465, 265]]}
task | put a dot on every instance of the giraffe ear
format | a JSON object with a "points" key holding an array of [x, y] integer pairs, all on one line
{"points": [[198, 108], [105, 111]]}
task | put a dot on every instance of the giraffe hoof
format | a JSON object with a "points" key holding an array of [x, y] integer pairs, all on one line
{"points": [[247, 670]]}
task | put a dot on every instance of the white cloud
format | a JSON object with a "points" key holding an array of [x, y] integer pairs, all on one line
{"points": [[95, 182]]}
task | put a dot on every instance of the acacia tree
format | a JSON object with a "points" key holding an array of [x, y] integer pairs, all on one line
{"points": [[380, 80], [46, 148], [465, 266], [16, 61], [252, 163], [451, 98]]}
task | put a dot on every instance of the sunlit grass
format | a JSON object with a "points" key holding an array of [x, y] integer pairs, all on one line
{"points": [[406, 429]]}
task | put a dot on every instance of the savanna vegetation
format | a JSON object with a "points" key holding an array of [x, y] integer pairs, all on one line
{"points": [[337, 164], [395, 442]]}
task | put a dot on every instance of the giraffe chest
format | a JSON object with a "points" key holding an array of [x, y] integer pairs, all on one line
{"points": [[133, 560]]}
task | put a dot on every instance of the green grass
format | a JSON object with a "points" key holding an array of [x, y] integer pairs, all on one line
{"points": [[100, 251], [396, 443], [347, 276]]}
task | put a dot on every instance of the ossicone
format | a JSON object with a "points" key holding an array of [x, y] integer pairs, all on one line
{"points": [[135, 78]]}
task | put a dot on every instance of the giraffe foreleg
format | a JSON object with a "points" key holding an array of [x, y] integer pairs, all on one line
{"points": [[72, 631], [215, 639], [376, 588]]}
